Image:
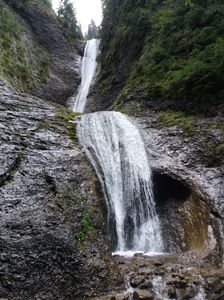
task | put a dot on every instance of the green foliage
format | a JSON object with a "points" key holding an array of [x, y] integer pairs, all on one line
{"points": [[69, 201], [67, 17], [46, 3], [173, 118], [217, 126], [86, 229], [179, 53], [15, 65], [93, 31]]}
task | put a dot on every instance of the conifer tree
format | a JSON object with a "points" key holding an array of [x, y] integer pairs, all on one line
{"points": [[67, 16], [93, 31]]}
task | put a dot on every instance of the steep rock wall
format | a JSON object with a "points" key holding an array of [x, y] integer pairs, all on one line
{"points": [[53, 241], [36, 56]]}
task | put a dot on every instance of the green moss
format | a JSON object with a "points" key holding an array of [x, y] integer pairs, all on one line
{"points": [[217, 126], [131, 109], [16, 54], [66, 114], [67, 118], [70, 202], [173, 118]]}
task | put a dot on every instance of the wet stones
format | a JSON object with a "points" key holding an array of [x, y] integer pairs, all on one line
{"points": [[142, 295], [172, 279], [137, 281], [158, 263], [214, 285]]}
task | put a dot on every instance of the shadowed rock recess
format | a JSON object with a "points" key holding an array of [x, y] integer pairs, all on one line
{"points": [[52, 242]]}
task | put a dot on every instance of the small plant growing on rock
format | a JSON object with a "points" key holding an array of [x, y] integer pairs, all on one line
{"points": [[86, 229]]}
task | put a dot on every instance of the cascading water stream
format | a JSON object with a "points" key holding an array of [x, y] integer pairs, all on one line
{"points": [[116, 149], [88, 70]]}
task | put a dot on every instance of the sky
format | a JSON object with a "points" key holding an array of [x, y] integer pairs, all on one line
{"points": [[86, 10]]}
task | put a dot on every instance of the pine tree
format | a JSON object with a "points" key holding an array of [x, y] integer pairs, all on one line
{"points": [[93, 31], [67, 16]]}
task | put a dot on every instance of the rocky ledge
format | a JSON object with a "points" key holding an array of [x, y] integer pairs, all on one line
{"points": [[166, 277], [52, 239]]}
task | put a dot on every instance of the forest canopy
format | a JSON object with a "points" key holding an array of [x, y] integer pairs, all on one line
{"points": [[177, 48]]}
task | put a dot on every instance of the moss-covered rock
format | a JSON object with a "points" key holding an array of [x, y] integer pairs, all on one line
{"points": [[35, 54], [22, 61]]}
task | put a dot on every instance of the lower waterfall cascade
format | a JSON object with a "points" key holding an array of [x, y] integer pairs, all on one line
{"points": [[116, 149]]}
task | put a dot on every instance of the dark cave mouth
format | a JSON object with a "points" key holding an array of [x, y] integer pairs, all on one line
{"points": [[186, 222]]}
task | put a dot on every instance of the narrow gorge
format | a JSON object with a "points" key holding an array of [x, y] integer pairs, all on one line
{"points": [[111, 151]]}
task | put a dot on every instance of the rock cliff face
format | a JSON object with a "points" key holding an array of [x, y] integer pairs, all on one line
{"points": [[188, 190], [43, 61], [53, 243]]}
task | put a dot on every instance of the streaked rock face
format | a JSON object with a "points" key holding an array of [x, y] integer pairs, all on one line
{"points": [[48, 192], [188, 193]]}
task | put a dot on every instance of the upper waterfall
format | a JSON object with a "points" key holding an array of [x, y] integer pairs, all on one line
{"points": [[116, 149], [88, 70]]}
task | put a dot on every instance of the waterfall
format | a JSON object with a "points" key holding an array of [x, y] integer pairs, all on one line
{"points": [[116, 149], [88, 70]]}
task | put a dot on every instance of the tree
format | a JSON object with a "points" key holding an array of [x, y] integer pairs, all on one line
{"points": [[67, 16], [44, 2], [93, 31]]}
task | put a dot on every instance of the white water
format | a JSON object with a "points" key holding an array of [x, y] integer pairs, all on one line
{"points": [[159, 286], [116, 149], [160, 290], [88, 67], [201, 294]]}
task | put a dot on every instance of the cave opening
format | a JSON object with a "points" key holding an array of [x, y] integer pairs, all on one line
{"points": [[185, 218]]}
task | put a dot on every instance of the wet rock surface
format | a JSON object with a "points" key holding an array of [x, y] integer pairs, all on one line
{"points": [[188, 192], [52, 239], [174, 279]]}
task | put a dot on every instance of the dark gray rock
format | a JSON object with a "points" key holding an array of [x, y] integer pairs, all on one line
{"points": [[186, 187], [137, 281], [53, 243], [142, 294]]}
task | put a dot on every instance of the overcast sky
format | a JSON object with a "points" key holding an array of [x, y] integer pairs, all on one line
{"points": [[86, 10]]}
